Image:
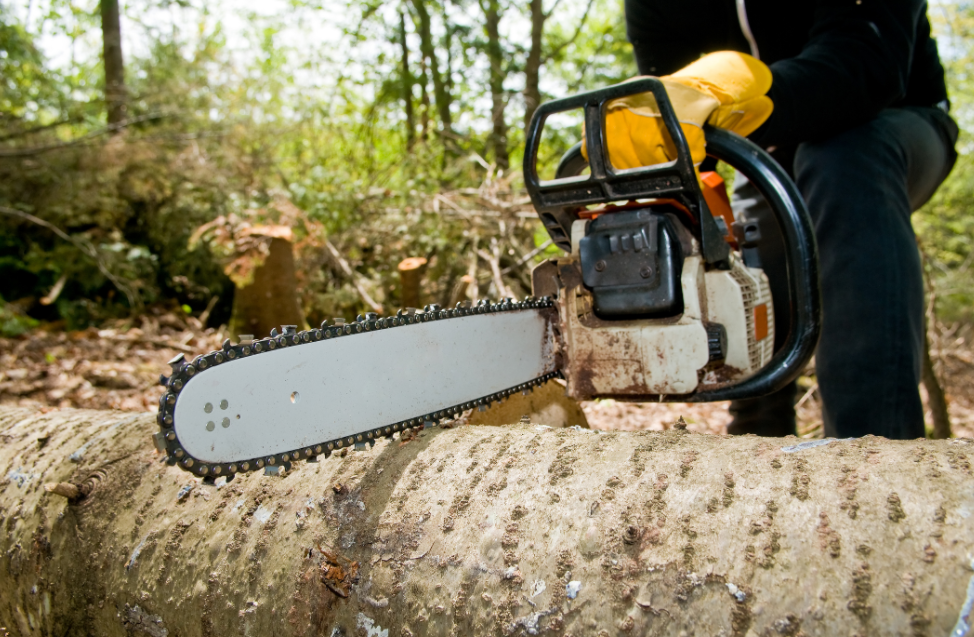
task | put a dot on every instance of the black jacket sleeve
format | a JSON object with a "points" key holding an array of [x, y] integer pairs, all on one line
{"points": [[666, 35], [856, 62], [835, 64]]}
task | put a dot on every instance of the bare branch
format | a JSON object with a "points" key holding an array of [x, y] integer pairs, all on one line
{"points": [[530, 255], [578, 31], [90, 251], [494, 261], [351, 274], [111, 128]]}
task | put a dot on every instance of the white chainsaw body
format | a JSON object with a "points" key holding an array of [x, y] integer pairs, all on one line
{"points": [[668, 356]]}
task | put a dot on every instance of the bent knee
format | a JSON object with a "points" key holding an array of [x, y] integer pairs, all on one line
{"points": [[867, 151]]}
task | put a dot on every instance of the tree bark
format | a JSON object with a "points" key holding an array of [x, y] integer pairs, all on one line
{"points": [[411, 270], [495, 56], [936, 398], [407, 84], [532, 67], [440, 93], [485, 531], [424, 100], [115, 93]]}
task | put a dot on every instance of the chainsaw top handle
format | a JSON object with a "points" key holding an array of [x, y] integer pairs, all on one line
{"points": [[559, 201]]}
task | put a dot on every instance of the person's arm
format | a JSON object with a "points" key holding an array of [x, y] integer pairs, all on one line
{"points": [[856, 63]]}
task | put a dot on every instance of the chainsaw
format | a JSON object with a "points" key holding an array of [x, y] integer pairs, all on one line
{"points": [[656, 298]]}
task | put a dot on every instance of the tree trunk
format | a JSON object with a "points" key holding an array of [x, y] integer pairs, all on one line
{"points": [[532, 68], [495, 55], [936, 398], [424, 100], [411, 270], [440, 93], [115, 94], [272, 299], [407, 84], [485, 531]]}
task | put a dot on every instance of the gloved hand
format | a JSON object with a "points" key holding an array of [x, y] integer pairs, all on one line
{"points": [[725, 89]]}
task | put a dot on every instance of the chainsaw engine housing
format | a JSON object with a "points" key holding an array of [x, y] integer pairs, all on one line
{"points": [[707, 329], [632, 261], [656, 300]]}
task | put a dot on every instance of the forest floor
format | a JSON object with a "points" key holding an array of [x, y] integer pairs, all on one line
{"points": [[118, 367]]}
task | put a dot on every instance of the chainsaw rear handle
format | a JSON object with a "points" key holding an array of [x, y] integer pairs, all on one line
{"points": [[559, 200], [801, 258]]}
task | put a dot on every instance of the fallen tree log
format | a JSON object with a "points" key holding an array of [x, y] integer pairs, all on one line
{"points": [[484, 531]]}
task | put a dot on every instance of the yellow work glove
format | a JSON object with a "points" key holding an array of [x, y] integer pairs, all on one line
{"points": [[724, 89]]}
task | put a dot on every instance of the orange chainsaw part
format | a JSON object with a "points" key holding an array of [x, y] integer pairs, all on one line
{"points": [[761, 322], [630, 205], [715, 194]]}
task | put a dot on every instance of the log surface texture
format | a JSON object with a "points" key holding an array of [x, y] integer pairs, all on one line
{"points": [[486, 531]]}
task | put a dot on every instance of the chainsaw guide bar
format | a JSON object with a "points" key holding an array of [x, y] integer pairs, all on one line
{"points": [[300, 395]]}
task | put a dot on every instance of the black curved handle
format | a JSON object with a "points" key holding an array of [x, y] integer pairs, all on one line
{"points": [[557, 201], [801, 254]]}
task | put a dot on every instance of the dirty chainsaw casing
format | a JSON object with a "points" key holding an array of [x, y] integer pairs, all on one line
{"points": [[657, 297], [712, 341]]}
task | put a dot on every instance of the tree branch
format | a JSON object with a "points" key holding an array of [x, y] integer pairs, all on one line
{"points": [[578, 31], [530, 255], [494, 261], [551, 11], [351, 274], [38, 129], [111, 128], [90, 251]]}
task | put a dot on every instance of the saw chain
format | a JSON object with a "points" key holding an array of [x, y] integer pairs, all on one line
{"points": [[167, 441]]}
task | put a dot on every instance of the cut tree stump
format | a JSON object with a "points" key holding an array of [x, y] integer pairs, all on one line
{"points": [[271, 300], [411, 271], [486, 531]]}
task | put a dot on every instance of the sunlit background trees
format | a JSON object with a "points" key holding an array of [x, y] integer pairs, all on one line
{"points": [[372, 131]]}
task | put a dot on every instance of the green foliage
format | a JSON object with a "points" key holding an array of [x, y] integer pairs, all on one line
{"points": [[945, 227], [13, 322], [946, 224], [219, 131]]}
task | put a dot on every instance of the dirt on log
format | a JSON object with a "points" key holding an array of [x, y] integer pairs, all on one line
{"points": [[486, 531]]}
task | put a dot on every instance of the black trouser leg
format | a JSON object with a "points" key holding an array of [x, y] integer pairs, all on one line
{"points": [[860, 187], [772, 415]]}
